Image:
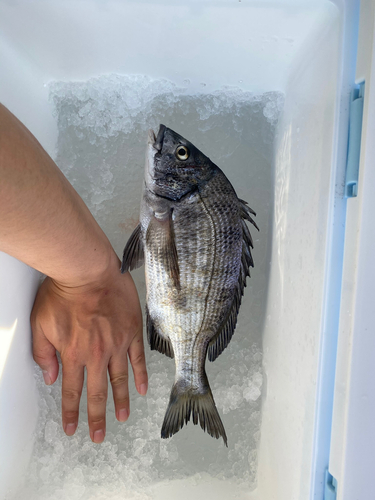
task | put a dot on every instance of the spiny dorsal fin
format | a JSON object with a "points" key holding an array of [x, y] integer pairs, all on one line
{"points": [[133, 256], [221, 340], [157, 341], [225, 334], [246, 212], [160, 230]]}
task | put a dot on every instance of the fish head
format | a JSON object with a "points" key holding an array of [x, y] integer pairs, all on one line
{"points": [[174, 166]]}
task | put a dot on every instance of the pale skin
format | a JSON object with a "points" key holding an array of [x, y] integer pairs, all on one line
{"points": [[85, 309]]}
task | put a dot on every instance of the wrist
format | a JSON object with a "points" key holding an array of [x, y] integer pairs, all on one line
{"points": [[98, 269]]}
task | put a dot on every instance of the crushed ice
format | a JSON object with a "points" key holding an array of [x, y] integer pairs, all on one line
{"points": [[103, 127]]}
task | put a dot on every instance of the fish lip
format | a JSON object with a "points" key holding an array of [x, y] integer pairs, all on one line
{"points": [[154, 147], [158, 144], [151, 137]]}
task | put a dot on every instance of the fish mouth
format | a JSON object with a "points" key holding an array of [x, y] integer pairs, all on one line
{"points": [[155, 144], [151, 137], [156, 141]]}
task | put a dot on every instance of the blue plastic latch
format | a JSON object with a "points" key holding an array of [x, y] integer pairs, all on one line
{"points": [[354, 142], [330, 490]]}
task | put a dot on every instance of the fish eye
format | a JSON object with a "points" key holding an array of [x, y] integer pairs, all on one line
{"points": [[182, 152]]}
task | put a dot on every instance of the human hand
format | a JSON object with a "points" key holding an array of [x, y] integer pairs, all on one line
{"points": [[97, 326]]}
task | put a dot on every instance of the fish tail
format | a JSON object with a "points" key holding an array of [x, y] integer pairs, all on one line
{"points": [[185, 403]]}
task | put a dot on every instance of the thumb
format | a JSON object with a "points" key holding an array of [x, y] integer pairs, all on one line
{"points": [[44, 355]]}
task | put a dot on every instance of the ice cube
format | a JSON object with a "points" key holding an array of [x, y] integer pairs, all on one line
{"points": [[103, 124]]}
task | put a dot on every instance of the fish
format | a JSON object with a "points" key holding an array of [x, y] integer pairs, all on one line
{"points": [[196, 246]]}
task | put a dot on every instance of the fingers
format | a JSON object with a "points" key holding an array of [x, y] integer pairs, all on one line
{"points": [[97, 389], [137, 359], [72, 383], [118, 373], [44, 354]]}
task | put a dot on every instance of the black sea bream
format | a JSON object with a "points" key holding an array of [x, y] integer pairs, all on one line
{"points": [[196, 247]]}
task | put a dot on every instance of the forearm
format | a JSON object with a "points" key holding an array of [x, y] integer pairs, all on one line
{"points": [[43, 221]]}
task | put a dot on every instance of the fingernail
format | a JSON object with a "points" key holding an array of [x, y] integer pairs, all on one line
{"points": [[143, 389], [98, 436], [123, 415], [47, 378], [70, 429]]}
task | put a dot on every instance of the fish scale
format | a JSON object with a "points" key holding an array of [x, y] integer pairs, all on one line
{"points": [[196, 247]]}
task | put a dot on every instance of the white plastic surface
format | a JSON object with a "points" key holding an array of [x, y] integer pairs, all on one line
{"points": [[292, 46], [353, 435], [295, 303], [18, 398], [220, 42]]}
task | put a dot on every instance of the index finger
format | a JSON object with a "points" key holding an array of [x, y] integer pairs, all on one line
{"points": [[137, 358], [72, 383], [97, 392]]}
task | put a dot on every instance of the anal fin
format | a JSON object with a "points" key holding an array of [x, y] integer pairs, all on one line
{"points": [[157, 341]]}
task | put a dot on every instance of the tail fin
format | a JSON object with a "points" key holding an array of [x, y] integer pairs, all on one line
{"points": [[183, 403]]}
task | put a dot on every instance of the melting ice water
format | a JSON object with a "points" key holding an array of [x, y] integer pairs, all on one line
{"points": [[103, 127]]}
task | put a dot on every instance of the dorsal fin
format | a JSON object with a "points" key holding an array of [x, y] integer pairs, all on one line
{"points": [[221, 340], [157, 341], [246, 212]]}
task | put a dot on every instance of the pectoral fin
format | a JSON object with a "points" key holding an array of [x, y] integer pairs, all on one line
{"points": [[160, 234]]}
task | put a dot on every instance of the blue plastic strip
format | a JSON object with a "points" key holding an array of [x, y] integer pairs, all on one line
{"points": [[330, 491], [332, 296], [354, 144]]}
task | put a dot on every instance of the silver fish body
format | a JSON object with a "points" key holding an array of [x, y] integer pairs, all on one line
{"points": [[196, 248]]}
